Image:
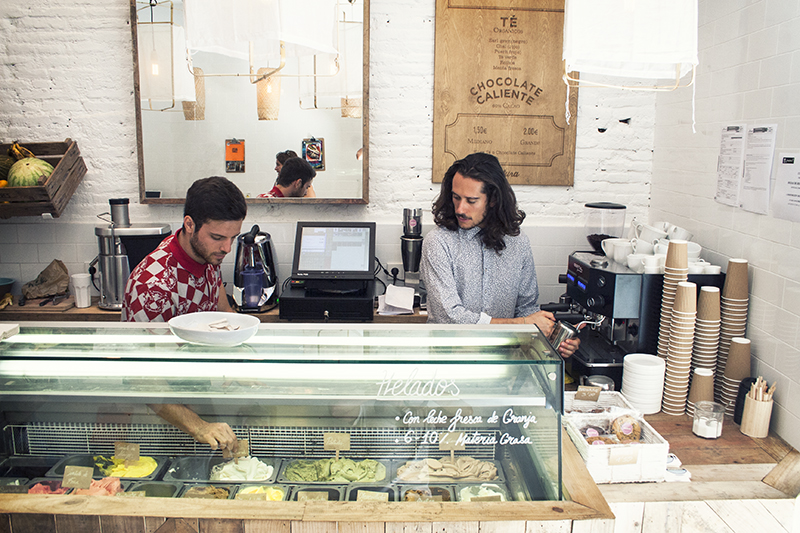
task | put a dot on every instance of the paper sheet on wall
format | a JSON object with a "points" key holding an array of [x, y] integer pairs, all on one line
{"points": [[730, 164], [758, 156], [786, 198]]}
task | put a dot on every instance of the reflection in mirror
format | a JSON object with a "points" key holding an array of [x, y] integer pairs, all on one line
{"points": [[222, 92]]}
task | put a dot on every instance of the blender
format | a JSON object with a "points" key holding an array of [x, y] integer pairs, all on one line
{"points": [[604, 220], [255, 278], [411, 246]]}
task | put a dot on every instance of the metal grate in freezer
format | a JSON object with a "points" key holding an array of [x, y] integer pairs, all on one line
{"points": [[49, 438]]}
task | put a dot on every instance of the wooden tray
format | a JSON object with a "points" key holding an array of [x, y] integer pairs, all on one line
{"points": [[62, 305], [51, 197]]}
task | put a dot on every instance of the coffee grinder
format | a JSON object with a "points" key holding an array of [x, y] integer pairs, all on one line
{"points": [[411, 246], [255, 277], [122, 246]]}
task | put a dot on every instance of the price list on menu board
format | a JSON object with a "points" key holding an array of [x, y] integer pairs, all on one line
{"points": [[498, 89]]}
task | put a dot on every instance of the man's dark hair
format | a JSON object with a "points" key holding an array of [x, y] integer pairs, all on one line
{"points": [[214, 198], [503, 217], [281, 157], [293, 169]]}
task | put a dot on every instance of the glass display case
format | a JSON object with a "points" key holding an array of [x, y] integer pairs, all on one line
{"points": [[450, 413]]}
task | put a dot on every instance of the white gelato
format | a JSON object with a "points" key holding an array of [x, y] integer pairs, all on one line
{"points": [[247, 468], [482, 491]]}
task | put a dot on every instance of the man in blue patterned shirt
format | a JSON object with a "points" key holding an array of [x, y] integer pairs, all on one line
{"points": [[477, 264]]}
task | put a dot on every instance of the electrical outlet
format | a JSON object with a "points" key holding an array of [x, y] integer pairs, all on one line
{"points": [[398, 266]]}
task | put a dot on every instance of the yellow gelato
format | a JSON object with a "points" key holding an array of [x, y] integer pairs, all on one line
{"points": [[120, 468], [272, 494]]}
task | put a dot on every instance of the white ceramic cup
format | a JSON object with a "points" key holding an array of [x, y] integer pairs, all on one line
{"points": [[712, 269], [649, 233], [641, 246], [81, 285], [676, 233], [621, 251], [693, 250], [656, 260], [608, 246], [663, 226], [661, 247], [696, 268], [636, 263], [653, 270]]}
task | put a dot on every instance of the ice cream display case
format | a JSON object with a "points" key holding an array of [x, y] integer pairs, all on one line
{"points": [[389, 413]]}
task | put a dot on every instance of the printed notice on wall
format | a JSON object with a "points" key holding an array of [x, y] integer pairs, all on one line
{"points": [[786, 198], [730, 164], [758, 155], [498, 89]]}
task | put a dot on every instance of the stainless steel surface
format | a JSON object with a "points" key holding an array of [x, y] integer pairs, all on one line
{"points": [[412, 222], [119, 212]]}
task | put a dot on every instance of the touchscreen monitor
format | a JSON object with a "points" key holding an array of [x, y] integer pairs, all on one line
{"points": [[334, 250]]}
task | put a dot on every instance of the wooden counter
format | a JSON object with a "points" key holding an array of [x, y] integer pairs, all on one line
{"points": [[35, 313]]}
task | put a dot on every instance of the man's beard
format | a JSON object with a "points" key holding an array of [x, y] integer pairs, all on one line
{"points": [[202, 252]]}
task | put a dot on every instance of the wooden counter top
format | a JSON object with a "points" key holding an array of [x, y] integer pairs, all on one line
{"points": [[35, 313]]}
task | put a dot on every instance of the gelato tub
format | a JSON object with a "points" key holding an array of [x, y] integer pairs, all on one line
{"points": [[462, 469], [482, 492], [332, 470], [332, 494], [46, 486], [207, 492], [371, 492], [425, 493], [108, 486], [144, 468], [28, 467], [156, 489], [270, 493], [219, 469]]}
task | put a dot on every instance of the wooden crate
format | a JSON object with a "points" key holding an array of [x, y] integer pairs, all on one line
{"points": [[51, 197]]}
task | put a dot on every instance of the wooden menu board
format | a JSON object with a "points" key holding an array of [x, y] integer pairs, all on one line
{"points": [[498, 89]]}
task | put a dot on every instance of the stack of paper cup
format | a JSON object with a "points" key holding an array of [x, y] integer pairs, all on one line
{"points": [[736, 369], [676, 269], [643, 381], [733, 314], [701, 390], [706, 330], [679, 353]]}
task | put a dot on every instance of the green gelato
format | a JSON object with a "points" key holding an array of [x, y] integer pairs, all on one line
{"points": [[335, 471]]}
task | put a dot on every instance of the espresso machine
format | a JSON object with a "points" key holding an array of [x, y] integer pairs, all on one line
{"points": [[598, 287], [122, 246], [255, 277], [411, 246]]}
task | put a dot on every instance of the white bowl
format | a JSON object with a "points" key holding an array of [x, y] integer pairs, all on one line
{"points": [[194, 328]]}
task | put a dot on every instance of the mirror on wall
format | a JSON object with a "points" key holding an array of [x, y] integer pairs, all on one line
{"points": [[221, 93]]}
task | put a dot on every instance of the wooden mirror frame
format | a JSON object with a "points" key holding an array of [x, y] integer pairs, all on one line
{"points": [[364, 133]]}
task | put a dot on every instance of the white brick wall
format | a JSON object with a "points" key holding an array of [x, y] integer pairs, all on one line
{"points": [[749, 72]]}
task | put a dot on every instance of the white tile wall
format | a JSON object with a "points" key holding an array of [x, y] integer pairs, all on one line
{"points": [[749, 72]]}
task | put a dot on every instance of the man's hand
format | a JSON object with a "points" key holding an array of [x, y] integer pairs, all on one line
{"points": [[218, 435], [545, 320], [569, 347]]}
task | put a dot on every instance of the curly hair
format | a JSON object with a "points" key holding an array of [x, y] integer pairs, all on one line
{"points": [[281, 157], [502, 218]]}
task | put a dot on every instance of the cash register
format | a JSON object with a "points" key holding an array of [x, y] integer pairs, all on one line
{"points": [[333, 273]]}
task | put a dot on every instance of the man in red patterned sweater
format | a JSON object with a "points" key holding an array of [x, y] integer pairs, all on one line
{"points": [[182, 275]]}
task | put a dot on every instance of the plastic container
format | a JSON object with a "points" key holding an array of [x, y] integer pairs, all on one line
{"points": [[604, 220]]}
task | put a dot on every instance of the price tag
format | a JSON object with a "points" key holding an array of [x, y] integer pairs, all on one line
{"points": [[127, 451], [492, 498], [77, 477], [452, 441], [587, 393], [242, 449], [308, 495], [372, 496], [13, 489], [336, 441], [623, 455], [254, 496], [133, 494]]}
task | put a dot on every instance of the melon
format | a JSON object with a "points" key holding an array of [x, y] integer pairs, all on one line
{"points": [[29, 172]]}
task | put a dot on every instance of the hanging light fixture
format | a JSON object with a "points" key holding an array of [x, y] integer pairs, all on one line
{"points": [[269, 95]]}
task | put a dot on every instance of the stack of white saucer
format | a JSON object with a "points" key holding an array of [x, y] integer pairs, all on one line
{"points": [[706, 330], [643, 381], [733, 314], [675, 271], [679, 355]]}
